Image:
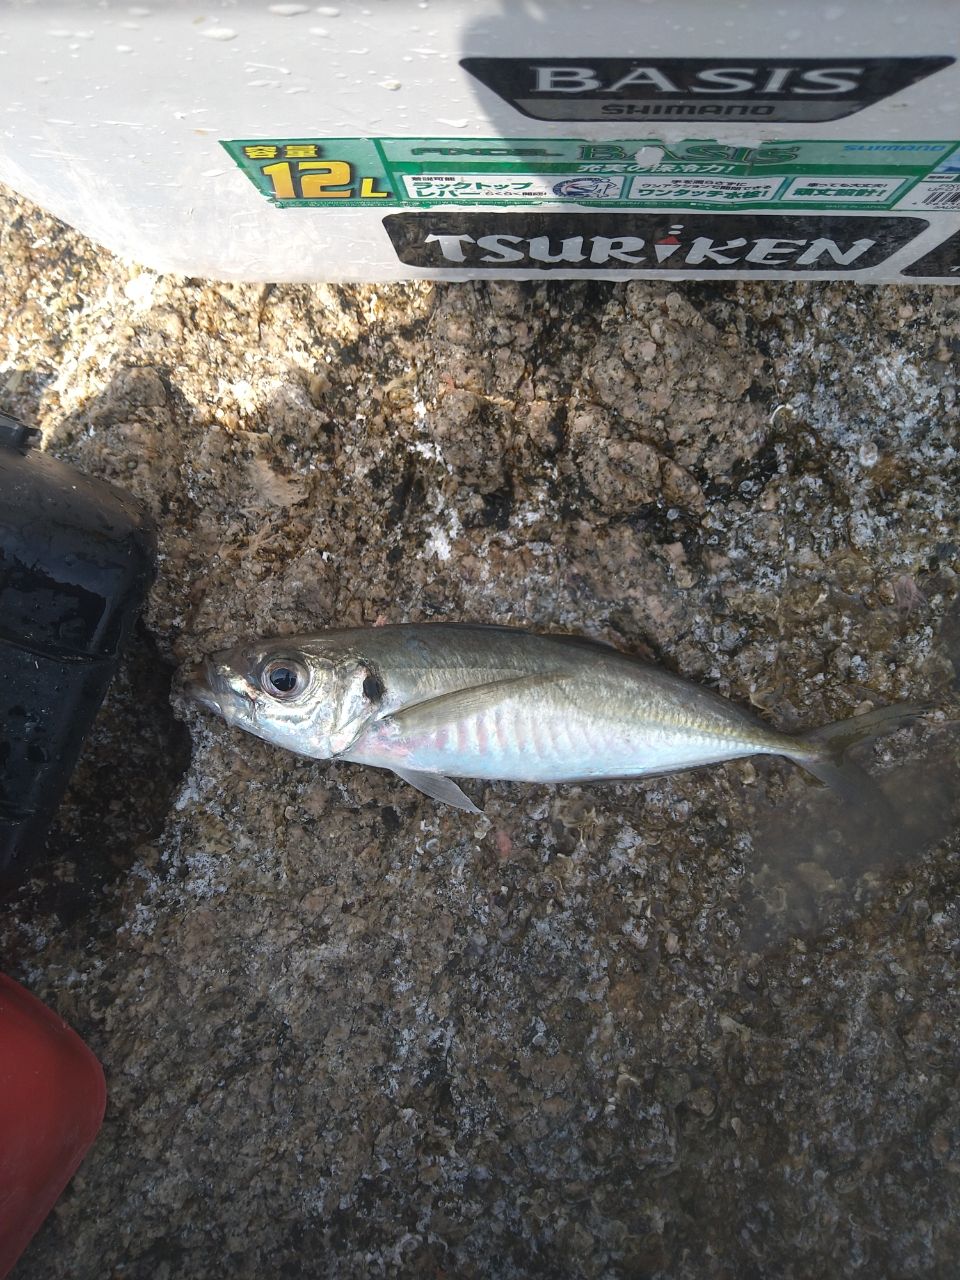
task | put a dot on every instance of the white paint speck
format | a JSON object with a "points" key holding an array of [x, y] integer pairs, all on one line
{"points": [[869, 454], [438, 544], [244, 394], [328, 11], [140, 290], [288, 10], [186, 797], [219, 33]]}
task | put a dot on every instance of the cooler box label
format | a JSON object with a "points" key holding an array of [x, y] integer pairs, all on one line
{"points": [[626, 173], [784, 89]]}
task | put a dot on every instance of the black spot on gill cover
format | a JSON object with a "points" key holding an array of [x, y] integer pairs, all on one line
{"points": [[373, 687]]}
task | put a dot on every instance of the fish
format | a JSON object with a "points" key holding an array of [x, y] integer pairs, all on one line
{"points": [[438, 701]]}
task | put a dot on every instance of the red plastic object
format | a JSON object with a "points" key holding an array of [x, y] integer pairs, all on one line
{"points": [[52, 1098]]}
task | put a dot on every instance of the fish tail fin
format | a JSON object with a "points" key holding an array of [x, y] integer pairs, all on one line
{"points": [[823, 753]]}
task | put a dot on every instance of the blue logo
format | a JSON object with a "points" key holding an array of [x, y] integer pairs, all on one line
{"points": [[588, 188]]}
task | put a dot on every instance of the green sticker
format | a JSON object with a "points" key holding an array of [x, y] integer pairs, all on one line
{"points": [[637, 173]]}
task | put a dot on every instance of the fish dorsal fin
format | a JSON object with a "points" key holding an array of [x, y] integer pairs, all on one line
{"points": [[434, 713], [439, 788]]}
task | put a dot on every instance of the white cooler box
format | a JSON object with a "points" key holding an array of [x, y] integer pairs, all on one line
{"points": [[397, 139]]}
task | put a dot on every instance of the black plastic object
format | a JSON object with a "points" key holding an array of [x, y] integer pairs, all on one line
{"points": [[76, 559]]}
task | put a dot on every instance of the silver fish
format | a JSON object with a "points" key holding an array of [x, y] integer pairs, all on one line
{"points": [[499, 703]]}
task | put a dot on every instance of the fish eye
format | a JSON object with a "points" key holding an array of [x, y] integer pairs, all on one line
{"points": [[283, 678]]}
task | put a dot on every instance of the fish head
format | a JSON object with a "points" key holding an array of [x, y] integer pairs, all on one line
{"points": [[292, 695]]}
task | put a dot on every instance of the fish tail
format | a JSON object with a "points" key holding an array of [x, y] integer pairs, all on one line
{"points": [[823, 753]]}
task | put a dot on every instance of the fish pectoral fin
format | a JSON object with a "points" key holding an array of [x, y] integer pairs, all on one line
{"points": [[438, 787], [447, 708]]}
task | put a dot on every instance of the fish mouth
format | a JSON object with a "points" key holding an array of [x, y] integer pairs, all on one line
{"points": [[199, 685]]}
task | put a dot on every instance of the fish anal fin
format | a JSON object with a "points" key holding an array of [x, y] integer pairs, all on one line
{"points": [[438, 787]]}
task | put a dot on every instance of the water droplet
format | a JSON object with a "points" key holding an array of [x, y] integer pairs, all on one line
{"points": [[648, 156], [267, 66]]}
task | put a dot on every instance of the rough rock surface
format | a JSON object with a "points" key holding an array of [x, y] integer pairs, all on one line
{"points": [[697, 1027]]}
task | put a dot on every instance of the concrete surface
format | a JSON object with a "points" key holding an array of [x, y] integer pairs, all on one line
{"points": [[699, 1027]]}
